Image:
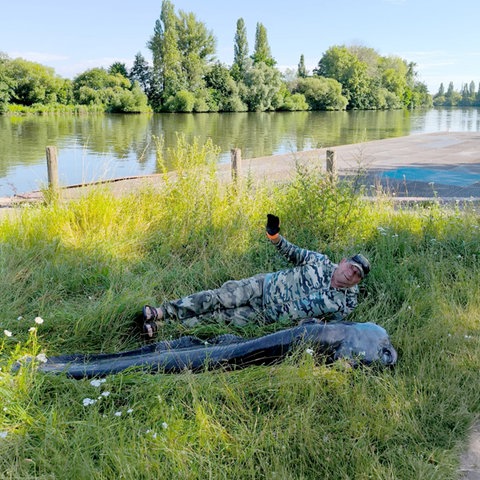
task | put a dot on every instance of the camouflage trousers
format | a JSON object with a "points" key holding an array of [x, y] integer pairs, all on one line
{"points": [[236, 301]]}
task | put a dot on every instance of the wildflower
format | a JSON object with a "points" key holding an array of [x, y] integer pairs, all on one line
{"points": [[88, 401], [7, 333], [38, 320], [19, 318], [3, 434], [97, 382], [32, 329], [164, 425], [118, 414], [130, 410], [41, 357], [468, 336], [105, 394], [309, 351]]}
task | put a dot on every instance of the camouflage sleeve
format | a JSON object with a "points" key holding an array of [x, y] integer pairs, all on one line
{"points": [[296, 255], [351, 300]]}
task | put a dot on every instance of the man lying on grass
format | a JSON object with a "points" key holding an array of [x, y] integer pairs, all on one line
{"points": [[314, 287]]}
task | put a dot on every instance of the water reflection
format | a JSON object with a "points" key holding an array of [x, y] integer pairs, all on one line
{"points": [[109, 146]]}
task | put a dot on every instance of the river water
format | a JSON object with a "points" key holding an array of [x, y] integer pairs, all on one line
{"points": [[92, 148]]}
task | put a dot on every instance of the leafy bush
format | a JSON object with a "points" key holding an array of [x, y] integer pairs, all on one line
{"points": [[321, 93], [183, 101]]}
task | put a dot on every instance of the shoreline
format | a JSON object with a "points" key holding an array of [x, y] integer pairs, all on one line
{"points": [[428, 159]]}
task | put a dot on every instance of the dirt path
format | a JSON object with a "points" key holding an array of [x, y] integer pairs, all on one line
{"points": [[470, 458]]}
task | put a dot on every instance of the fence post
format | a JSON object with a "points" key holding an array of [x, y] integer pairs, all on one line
{"points": [[52, 170], [236, 156], [332, 163]]}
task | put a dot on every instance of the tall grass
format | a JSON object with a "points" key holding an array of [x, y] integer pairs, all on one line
{"points": [[86, 268]]}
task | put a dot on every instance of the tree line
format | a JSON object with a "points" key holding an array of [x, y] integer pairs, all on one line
{"points": [[186, 77], [468, 96]]}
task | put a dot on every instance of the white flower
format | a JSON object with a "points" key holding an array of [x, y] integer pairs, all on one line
{"points": [[154, 435], [164, 425], [32, 329], [41, 357], [97, 382], [105, 394], [118, 414], [3, 434], [130, 410], [309, 351], [19, 318], [88, 401], [7, 333], [38, 320]]}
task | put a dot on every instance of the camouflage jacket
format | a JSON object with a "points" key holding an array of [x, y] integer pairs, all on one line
{"points": [[304, 290]]}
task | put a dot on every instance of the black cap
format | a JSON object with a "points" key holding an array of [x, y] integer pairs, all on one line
{"points": [[361, 263]]}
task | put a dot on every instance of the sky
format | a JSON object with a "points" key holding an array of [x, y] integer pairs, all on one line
{"points": [[441, 37]]}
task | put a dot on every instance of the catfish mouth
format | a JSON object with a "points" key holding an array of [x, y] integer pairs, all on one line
{"points": [[388, 356]]}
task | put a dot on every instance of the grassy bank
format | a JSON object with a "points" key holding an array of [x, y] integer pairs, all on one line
{"points": [[74, 276]]}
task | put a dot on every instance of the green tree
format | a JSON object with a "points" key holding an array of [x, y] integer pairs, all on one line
{"points": [[302, 70], [261, 51], [342, 65], [439, 97], [141, 73], [224, 91], [465, 101], [394, 75], [182, 101], [471, 93], [118, 67], [6, 89], [263, 84], [182, 48], [452, 97], [321, 93], [114, 93], [420, 96], [167, 69], [31, 83], [241, 60], [197, 46]]}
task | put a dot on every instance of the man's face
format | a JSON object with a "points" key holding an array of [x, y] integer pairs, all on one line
{"points": [[346, 275]]}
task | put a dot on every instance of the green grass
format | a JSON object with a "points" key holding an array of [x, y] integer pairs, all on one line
{"points": [[87, 267]]}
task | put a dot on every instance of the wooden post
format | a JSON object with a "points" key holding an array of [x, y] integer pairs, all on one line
{"points": [[331, 163], [236, 163], [52, 169]]}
